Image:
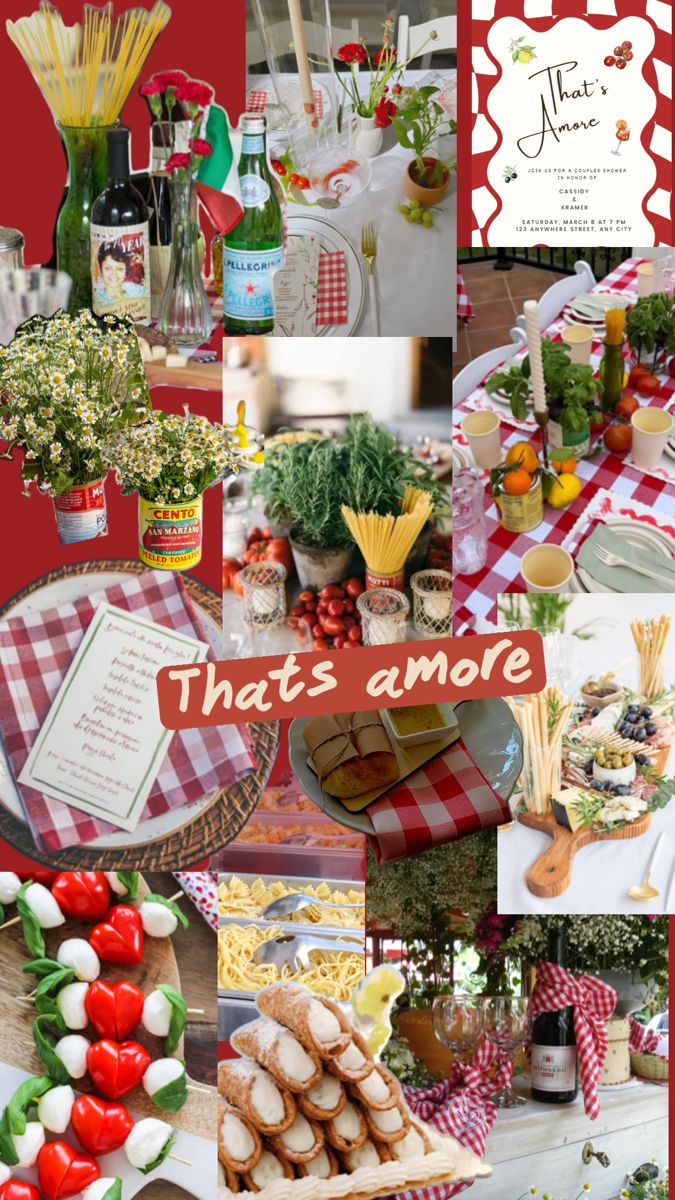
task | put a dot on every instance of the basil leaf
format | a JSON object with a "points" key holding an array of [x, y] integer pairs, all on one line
{"points": [[130, 881], [45, 1043], [114, 1192], [173, 1095], [162, 1154], [47, 991], [41, 967], [8, 1152], [32, 934], [24, 1098], [178, 1017], [171, 905]]}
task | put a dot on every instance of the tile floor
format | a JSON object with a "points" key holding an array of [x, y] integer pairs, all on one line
{"points": [[497, 298]]}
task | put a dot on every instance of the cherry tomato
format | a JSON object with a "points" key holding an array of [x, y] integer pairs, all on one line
{"points": [[621, 63], [236, 584], [353, 588], [333, 626], [229, 566], [635, 373], [609, 61], [628, 404], [348, 621], [628, 55], [671, 366], [310, 606], [278, 166], [307, 596], [339, 641], [336, 608], [297, 610], [350, 607], [306, 619], [317, 631], [293, 622], [618, 438], [648, 385], [294, 179], [320, 644], [331, 592], [354, 634]]}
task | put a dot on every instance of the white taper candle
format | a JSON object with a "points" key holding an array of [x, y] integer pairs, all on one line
{"points": [[531, 311], [300, 47]]}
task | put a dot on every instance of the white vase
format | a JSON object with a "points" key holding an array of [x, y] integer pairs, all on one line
{"points": [[364, 135]]}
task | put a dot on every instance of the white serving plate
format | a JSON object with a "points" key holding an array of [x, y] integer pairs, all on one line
{"points": [[71, 588], [636, 535], [332, 239]]}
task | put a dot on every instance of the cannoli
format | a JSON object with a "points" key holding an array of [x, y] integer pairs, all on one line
{"points": [[251, 1089], [355, 1062], [267, 1170], [388, 1124], [274, 1047], [325, 1100], [415, 1143], [301, 1142], [379, 1090], [232, 1181], [318, 1022], [370, 1154], [324, 1166], [239, 1144], [348, 1130]]}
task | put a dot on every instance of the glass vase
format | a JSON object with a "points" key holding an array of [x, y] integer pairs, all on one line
{"points": [[184, 312], [610, 377], [87, 153]]}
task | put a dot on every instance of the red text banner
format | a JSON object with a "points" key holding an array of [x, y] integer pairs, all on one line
{"points": [[310, 684]]}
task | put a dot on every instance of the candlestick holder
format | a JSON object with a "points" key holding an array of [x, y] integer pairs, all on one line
{"points": [[542, 421]]}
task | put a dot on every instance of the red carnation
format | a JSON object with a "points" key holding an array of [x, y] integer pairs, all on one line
{"points": [[385, 110], [153, 88], [397, 89], [385, 54], [352, 52], [202, 147], [191, 92], [170, 79], [178, 162]]}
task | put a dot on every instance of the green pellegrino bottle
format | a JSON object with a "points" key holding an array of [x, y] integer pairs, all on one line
{"points": [[254, 249]]}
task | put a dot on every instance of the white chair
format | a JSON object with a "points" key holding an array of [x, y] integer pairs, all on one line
{"points": [[411, 38], [559, 294], [518, 335], [475, 372]]}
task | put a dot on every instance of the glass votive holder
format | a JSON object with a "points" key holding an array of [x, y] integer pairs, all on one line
{"points": [[384, 613], [235, 525], [432, 602], [264, 586]]}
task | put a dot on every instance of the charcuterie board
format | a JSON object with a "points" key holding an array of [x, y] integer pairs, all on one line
{"points": [[551, 873], [196, 1121]]}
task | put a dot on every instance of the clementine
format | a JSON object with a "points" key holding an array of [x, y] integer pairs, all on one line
{"points": [[524, 455], [517, 482], [566, 466]]}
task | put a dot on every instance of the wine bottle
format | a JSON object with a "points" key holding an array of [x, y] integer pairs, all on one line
{"points": [[554, 1072], [253, 249], [120, 240]]}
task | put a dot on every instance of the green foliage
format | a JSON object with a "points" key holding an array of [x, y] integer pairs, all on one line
{"points": [[570, 387], [418, 124], [650, 325]]}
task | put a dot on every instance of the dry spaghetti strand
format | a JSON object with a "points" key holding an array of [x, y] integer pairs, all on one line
{"points": [[386, 541]]}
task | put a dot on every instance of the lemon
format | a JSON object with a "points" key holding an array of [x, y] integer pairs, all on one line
{"points": [[524, 56], [564, 490]]}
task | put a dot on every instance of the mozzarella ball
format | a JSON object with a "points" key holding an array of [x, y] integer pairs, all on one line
{"points": [[29, 1144], [54, 1108], [43, 906], [78, 954], [157, 1014], [146, 1141], [158, 920], [9, 888], [98, 1188], [160, 1072], [5, 1173], [116, 885], [70, 1003], [72, 1050]]}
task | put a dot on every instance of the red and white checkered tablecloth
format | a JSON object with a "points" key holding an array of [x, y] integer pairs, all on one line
{"points": [[464, 305], [257, 101], [331, 297], [476, 595]]}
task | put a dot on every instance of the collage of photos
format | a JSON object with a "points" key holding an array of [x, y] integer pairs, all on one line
{"points": [[256, 410]]}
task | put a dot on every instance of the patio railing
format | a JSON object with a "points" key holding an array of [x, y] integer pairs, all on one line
{"points": [[560, 258]]}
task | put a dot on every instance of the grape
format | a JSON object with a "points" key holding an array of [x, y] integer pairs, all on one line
{"points": [[427, 219]]}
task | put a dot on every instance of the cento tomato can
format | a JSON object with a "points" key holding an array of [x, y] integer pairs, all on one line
{"points": [[81, 513], [170, 535]]}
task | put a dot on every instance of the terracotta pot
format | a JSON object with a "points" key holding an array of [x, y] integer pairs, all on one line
{"points": [[318, 566], [417, 1028], [427, 196]]}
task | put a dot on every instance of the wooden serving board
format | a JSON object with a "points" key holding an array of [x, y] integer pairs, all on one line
{"points": [[192, 375], [551, 873]]}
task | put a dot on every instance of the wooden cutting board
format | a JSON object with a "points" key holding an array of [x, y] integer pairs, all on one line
{"points": [[551, 873], [192, 375]]}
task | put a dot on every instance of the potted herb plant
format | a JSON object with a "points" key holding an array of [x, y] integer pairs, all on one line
{"points": [[419, 123], [650, 327], [571, 392]]}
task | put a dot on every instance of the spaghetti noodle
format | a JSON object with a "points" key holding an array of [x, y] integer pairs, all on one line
{"points": [[386, 541], [333, 974]]}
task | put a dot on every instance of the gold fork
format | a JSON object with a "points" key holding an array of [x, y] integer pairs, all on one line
{"points": [[369, 251]]}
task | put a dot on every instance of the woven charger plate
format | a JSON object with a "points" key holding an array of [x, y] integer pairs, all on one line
{"points": [[201, 835]]}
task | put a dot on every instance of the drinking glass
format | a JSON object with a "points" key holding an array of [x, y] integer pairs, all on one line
{"points": [[469, 531], [458, 1023], [507, 1025], [28, 292]]}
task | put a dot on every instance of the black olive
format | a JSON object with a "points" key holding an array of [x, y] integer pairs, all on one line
{"points": [[595, 711], [588, 768], [598, 784], [640, 734], [647, 712], [623, 789], [651, 728]]}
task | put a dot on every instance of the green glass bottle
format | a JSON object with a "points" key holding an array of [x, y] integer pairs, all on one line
{"points": [[254, 249]]}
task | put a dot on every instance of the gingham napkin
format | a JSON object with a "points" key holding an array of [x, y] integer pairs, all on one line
{"points": [[36, 651], [464, 306], [331, 299], [202, 888], [257, 102], [445, 800], [594, 1002], [641, 1039]]}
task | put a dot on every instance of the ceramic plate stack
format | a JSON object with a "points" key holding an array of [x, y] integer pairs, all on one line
{"points": [[634, 534], [589, 308]]}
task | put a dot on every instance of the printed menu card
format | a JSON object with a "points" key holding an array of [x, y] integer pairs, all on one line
{"points": [[102, 743]]}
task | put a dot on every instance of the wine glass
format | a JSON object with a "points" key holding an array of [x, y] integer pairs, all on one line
{"points": [[458, 1023], [507, 1025]]}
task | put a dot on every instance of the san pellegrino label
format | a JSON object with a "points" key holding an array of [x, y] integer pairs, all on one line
{"points": [[247, 282], [253, 250]]}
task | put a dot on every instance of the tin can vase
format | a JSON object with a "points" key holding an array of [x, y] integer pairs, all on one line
{"points": [[520, 514], [81, 513], [170, 535]]}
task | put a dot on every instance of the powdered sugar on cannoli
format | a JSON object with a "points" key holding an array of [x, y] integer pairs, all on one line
{"points": [[239, 1143], [250, 1088], [275, 1048], [325, 1100], [355, 1062], [318, 1021]]}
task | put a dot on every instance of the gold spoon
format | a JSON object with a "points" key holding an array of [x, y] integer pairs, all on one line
{"points": [[645, 890]]}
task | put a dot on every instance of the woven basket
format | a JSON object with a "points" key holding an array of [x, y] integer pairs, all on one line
{"points": [[649, 1066]]}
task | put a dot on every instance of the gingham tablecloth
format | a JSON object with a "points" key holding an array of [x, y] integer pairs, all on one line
{"points": [[36, 651], [476, 595], [464, 305], [446, 799], [257, 101]]}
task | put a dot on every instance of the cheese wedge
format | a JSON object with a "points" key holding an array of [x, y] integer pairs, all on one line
{"points": [[564, 808]]}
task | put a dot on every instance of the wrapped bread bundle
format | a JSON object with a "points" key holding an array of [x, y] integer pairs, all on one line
{"points": [[355, 1063], [318, 1022], [325, 1100], [348, 1130], [370, 1154], [380, 1090], [268, 1169], [351, 753], [252, 1090], [239, 1144], [301, 1142], [324, 1166], [415, 1143], [286, 1059], [389, 1124]]}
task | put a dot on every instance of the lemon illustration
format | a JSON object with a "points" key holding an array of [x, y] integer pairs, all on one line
{"points": [[564, 491], [524, 56], [372, 1002]]}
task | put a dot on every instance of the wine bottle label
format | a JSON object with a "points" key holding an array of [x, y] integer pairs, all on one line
{"points": [[120, 270], [253, 143], [554, 1068], [254, 190], [247, 282]]}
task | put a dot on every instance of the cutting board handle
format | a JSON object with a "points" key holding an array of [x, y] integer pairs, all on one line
{"points": [[551, 873]]}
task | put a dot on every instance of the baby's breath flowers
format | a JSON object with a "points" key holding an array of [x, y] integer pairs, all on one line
{"points": [[170, 459], [67, 383]]}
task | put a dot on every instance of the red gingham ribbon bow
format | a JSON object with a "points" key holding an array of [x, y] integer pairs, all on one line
{"points": [[593, 1002], [641, 1039], [473, 1075]]}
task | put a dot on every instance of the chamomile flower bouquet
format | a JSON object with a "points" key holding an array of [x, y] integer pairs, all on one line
{"points": [[67, 385]]}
